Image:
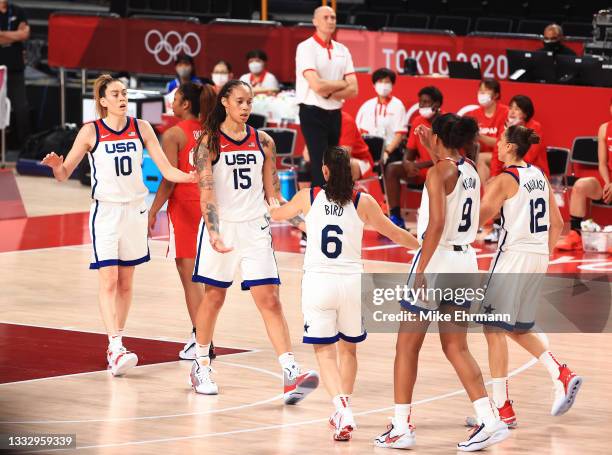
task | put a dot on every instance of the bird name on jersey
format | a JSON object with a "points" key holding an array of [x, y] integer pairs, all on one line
{"points": [[535, 184], [468, 183], [333, 209]]}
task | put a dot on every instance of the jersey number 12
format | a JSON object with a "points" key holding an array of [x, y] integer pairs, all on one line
{"points": [[537, 210]]}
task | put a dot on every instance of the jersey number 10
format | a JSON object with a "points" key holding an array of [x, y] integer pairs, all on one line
{"points": [[123, 165]]}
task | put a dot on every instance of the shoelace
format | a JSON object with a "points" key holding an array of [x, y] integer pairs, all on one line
{"points": [[205, 378]]}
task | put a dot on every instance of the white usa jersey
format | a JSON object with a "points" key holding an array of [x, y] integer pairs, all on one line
{"points": [[238, 177], [462, 208], [334, 235], [116, 163], [525, 216]]}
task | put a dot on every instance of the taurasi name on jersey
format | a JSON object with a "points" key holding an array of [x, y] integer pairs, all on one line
{"points": [[534, 184]]}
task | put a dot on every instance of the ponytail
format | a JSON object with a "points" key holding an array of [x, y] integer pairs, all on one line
{"points": [[522, 137], [339, 187], [99, 90], [454, 131], [208, 98]]}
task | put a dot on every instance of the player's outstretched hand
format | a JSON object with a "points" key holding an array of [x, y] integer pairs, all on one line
{"points": [[424, 135], [52, 160], [273, 204], [193, 177], [218, 245]]}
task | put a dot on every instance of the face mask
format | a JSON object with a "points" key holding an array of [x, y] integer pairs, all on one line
{"points": [[426, 112], [183, 71], [383, 88], [550, 45], [220, 78], [256, 67], [484, 99], [513, 121]]}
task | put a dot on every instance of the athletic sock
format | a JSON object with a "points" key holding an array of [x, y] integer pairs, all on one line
{"points": [[484, 412], [550, 363], [287, 361], [395, 211], [341, 402], [575, 223], [114, 342], [202, 356], [402, 415], [500, 391]]}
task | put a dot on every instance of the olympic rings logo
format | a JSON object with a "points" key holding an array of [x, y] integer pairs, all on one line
{"points": [[170, 45]]}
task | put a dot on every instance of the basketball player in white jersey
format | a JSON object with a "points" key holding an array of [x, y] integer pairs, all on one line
{"points": [[531, 227], [237, 171], [331, 286], [447, 224], [118, 221]]}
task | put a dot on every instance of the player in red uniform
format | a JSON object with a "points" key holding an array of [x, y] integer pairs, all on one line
{"points": [[362, 164], [594, 188], [417, 160], [192, 102], [491, 117]]}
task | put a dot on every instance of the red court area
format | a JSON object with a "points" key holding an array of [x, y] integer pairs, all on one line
{"points": [[71, 352]]}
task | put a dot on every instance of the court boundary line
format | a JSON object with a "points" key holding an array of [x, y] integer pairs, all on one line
{"points": [[462, 391]]}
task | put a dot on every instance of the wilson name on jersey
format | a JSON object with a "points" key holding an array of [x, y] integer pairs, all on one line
{"points": [[238, 177], [116, 163], [334, 235], [525, 216], [462, 208]]}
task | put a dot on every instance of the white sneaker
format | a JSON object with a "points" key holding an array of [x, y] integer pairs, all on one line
{"points": [[201, 380], [189, 350], [343, 424], [482, 437], [121, 360], [397, 437]]}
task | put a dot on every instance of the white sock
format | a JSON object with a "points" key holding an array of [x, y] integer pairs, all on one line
{"points": [[500, 391], [402, 414], [287, 360], [341, 402], [551, 364], [114, 342], [202, 351], [484, 411]]}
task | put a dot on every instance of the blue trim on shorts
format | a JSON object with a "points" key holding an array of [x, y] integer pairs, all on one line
{"points": [[143, 259], [247, 284], [413, 308], [321, 340], [524, 325], [210, 281], [357, 339], [118, 262], [106, 263]]}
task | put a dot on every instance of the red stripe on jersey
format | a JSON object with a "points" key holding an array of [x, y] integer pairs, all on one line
{"points": [[314, 192], [513, 172], [106, 133], [248, 143]]}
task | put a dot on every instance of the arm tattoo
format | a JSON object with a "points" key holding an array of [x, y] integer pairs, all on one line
{"points": [[296, 220], [212, 217], [201, 156]]}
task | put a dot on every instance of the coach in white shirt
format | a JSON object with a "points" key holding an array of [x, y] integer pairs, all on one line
{"points": [[325, 77], [260, 79], [385, 114]]}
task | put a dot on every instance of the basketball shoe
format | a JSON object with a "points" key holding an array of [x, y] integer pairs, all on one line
{"points": [[506, 414], [571, 242], [397, 437], [566, 386], [189, 350], [120, 360], [201, 380], [298, 385], [481, 437], [343, 424]]}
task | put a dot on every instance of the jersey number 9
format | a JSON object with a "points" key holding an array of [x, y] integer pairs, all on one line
{"points": [[466, 216]]}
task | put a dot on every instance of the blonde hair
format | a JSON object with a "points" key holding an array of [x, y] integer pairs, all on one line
{"points": [[99, 90]]}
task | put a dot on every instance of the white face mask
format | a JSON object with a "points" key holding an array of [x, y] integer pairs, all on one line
{"points": [[220, 78], [383, 88], [256, 67], [513, 121], [426, 112], [183, 71], [484, 99]]}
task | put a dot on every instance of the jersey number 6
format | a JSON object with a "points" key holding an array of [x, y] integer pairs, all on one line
{"points": [[327, 239]]}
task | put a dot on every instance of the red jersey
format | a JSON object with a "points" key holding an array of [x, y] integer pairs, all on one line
{"points": [[350, 137], [193, 131], [490, 126], [536, 155], [608, 142], [414, 142]]}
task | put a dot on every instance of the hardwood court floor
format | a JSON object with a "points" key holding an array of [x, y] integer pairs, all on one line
{"points": [[153, 410]]}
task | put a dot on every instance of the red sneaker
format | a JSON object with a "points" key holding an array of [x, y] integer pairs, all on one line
{"points": [[567, 386], [571, 242], [297, 385], [507, 415]]}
